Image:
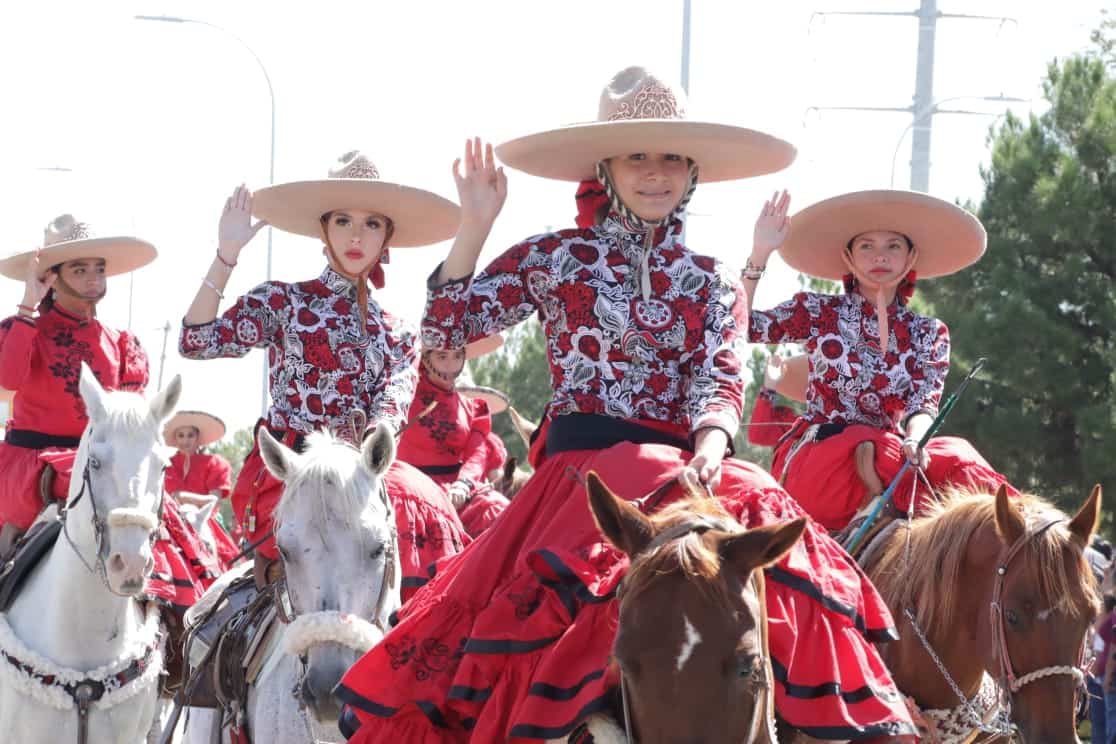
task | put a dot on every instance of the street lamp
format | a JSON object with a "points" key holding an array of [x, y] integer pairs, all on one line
{"points": [[933, 109], [271, 166]]}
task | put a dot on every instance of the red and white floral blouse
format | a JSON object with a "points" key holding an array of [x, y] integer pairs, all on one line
{"points": [[851, 381], [322, 366], [674, 357], [455, 432], [41, 359]]}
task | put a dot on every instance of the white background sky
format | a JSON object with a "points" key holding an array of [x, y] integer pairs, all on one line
{"points": [[159, 121]]}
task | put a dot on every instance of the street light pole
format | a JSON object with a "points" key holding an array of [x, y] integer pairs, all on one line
{"points": [[271, 163]]}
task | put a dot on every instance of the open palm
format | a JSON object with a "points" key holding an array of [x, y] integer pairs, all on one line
{"points": [[235, 229], [481, 186], [773, 225]]}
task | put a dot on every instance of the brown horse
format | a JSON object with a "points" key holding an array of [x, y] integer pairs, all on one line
{"points": [[995, 585], [700, 670]]}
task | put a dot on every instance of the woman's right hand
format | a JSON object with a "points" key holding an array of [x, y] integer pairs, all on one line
{"points": [[235, 229], [38, 282], [482, 187], [772, 227]]}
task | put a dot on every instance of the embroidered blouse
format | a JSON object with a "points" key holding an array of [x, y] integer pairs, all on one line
{"points": [[851, 381], [455, 432], [41, 360], [674, 357], [322, 365]]}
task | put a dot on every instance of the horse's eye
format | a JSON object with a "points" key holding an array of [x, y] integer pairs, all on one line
{"points": [[377, 552], [1012, 618], [748, 665], [94, 463]]}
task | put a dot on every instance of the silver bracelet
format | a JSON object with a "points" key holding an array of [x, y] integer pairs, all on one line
{"points": [[211, 285]]}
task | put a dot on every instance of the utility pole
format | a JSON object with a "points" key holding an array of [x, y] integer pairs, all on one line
{"points": [[923, 106], [163, 356]]}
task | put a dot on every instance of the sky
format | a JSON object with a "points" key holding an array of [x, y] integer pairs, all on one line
{"points": [[154, 123]]}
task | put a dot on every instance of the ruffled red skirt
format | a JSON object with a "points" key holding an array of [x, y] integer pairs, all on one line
{"points": [[478, 514], [428, 527], [822, 476], [510, 641]]}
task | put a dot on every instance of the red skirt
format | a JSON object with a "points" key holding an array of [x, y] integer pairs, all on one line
{"points": [[511, 640], [427, 525], [184, 567], [822, 475], [481, 510], [22, 468]]}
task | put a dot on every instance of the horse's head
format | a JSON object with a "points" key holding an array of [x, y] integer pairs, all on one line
{"points": [[335, 530], [691, 643], [1046, 601], [116, 491], [198, 518]]}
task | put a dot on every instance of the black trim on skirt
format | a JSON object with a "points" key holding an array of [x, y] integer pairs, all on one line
{"points": [[439, 469], [37, 440], [593, 431]]}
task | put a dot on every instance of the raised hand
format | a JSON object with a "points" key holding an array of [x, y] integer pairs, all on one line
{"points": [[481, 186], [772, 226], [235, 229], [38, 282]]}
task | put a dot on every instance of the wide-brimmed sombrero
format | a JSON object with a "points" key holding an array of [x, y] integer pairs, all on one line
{"points": [[66, 239], [639, 112], [210, 428], [796, 372], [419, 217], [948, 238], [497, 401]]}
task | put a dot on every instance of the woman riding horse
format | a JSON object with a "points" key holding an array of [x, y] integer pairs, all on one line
{"points": [[511, 639], [877, 368], [332, 349], [449, 442], [195, 477], [42, 349]]}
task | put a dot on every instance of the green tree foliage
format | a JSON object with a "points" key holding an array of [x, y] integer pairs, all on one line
{"points": [[520, 370], [1040, 304]]}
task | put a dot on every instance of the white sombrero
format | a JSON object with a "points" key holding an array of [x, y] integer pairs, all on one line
{"points": [[796, 372], [497, 402], [210, 428], [419, 217], [947, 237], [640, 113], [66, 239]]}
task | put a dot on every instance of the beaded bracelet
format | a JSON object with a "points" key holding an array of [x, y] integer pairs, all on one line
{"points": [[752, 272]]}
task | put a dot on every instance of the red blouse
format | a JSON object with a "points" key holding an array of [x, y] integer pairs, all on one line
{"points": [[41, 360], [769, 422], [851, 381], [208, 473], [497, 452], [673, 357], [322, 365], [455, 432]]}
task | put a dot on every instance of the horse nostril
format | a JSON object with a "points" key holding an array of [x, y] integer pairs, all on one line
{"points": [[116, 563]]}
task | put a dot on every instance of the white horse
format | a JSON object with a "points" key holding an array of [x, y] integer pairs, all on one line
{"points": [[336, 533], [76, 632]]}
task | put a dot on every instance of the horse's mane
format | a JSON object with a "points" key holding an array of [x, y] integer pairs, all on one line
{"points": [[930, 579], [688, 555], [326, 455]]}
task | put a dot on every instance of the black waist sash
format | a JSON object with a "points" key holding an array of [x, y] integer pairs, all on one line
{"points": [[593, 431], [37, 440], [439, 469]]}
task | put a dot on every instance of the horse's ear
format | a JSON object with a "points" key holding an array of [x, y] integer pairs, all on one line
{"points": [[205, 512], [280, 460], [166, 400], [624, 525], [759, 547], [378, 450], [1009, 520], [91, 392], [522, 425], [1087, 519]]}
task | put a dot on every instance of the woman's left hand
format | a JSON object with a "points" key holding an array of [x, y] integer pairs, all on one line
{"points": [[705, 467]]}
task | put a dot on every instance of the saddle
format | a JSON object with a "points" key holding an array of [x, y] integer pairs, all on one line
{"points": [[25, 555]]}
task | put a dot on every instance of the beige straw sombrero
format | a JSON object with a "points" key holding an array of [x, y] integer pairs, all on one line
{"points": [[66, 239], [210, 428]]}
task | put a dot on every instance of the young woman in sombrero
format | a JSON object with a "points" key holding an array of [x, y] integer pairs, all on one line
{"points": [[196, 477], [42, 349], [868, 403], [511, 639], [447, 432], [333, 350]]}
